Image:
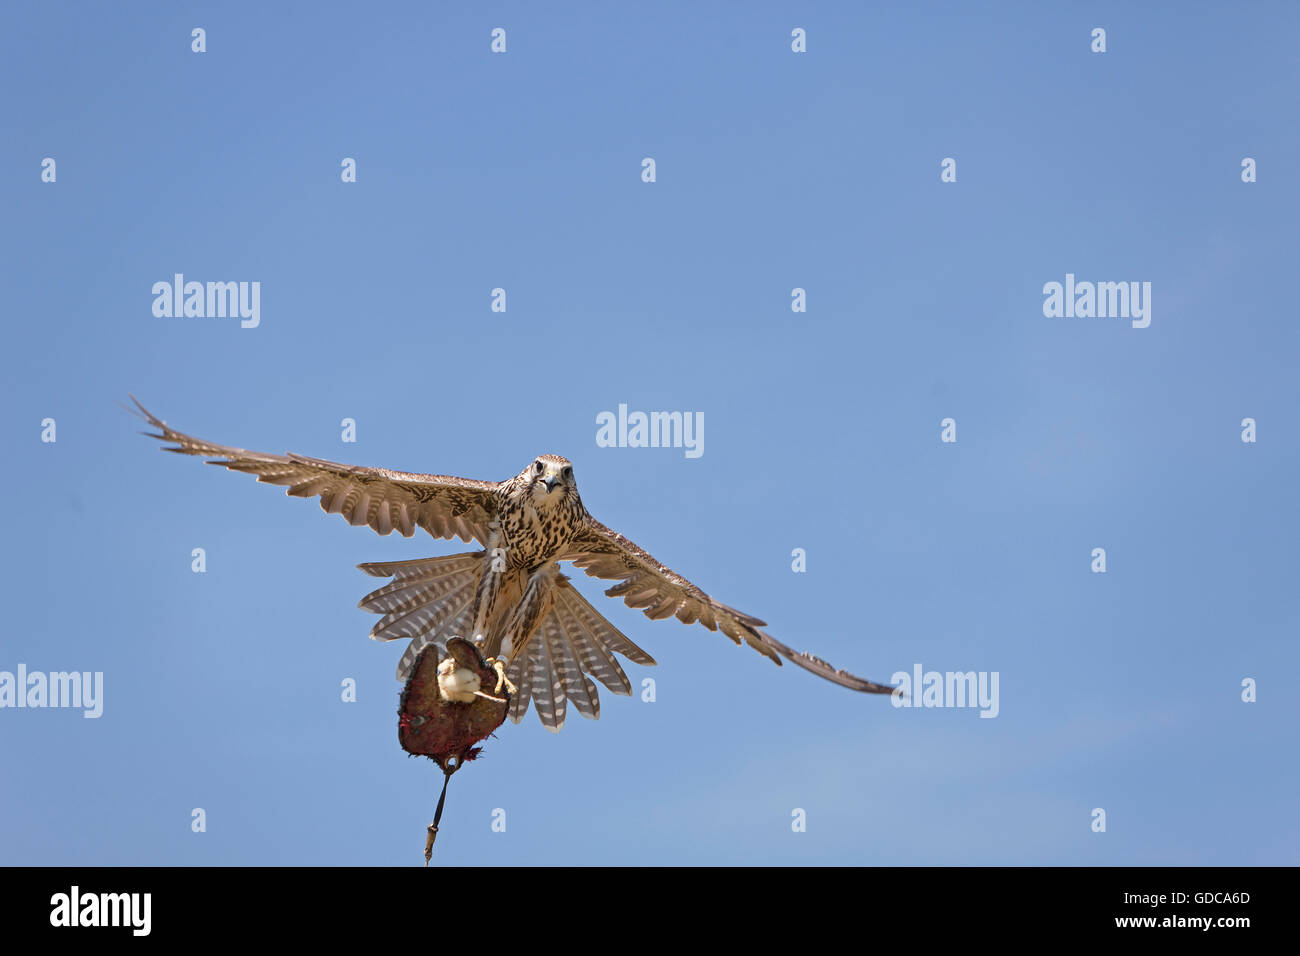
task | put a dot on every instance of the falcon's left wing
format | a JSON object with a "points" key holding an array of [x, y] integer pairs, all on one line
{"points": [[661, 592]]}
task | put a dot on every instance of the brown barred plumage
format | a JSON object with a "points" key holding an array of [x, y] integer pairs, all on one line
{"points": [[510, 597]]}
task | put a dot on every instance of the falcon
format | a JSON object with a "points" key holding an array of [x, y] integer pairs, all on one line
{"points": [[542, 638]]}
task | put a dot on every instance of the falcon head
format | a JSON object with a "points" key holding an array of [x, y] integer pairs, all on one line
{"points": [[550, 475]]}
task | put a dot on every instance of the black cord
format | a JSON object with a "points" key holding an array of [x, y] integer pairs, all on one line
{"points": [[437, 816]]}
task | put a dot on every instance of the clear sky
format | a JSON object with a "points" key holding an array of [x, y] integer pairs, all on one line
{"points": [[774, 171]]}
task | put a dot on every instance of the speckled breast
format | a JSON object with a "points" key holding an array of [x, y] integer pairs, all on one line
{"points": [[533, 536]]}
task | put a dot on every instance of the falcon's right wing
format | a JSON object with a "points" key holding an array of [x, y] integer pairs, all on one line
{"points": [[385, 500]]}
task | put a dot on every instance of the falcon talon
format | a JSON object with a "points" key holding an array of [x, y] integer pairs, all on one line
{"points": [[499, 666]]}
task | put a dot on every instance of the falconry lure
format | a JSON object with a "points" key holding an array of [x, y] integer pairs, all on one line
{"points": [[542, 639]]}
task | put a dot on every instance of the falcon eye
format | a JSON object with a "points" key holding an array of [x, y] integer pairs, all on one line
{"points": [[538, 467], [568, 473]]}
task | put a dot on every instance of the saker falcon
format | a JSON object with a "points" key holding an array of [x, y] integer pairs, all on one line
{"points": [[543, 638]]}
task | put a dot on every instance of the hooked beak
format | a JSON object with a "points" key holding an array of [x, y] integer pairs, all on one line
{"points": [[550, 482]]}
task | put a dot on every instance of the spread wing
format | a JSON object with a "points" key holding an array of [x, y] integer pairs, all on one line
{"points": [[661, 592], [385, 500]]}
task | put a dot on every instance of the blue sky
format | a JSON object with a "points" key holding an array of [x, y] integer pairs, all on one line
{"points": [[774, 171]]}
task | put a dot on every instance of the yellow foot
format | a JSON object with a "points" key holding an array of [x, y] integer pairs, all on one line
{"points": [[499, 666]]}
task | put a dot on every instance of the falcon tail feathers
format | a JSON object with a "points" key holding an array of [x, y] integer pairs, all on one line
{"points": [[572, 644], [428, 602], [431, 600]]}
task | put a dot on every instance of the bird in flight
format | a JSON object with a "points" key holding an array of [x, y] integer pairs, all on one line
{"points": [[544, 640]]}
